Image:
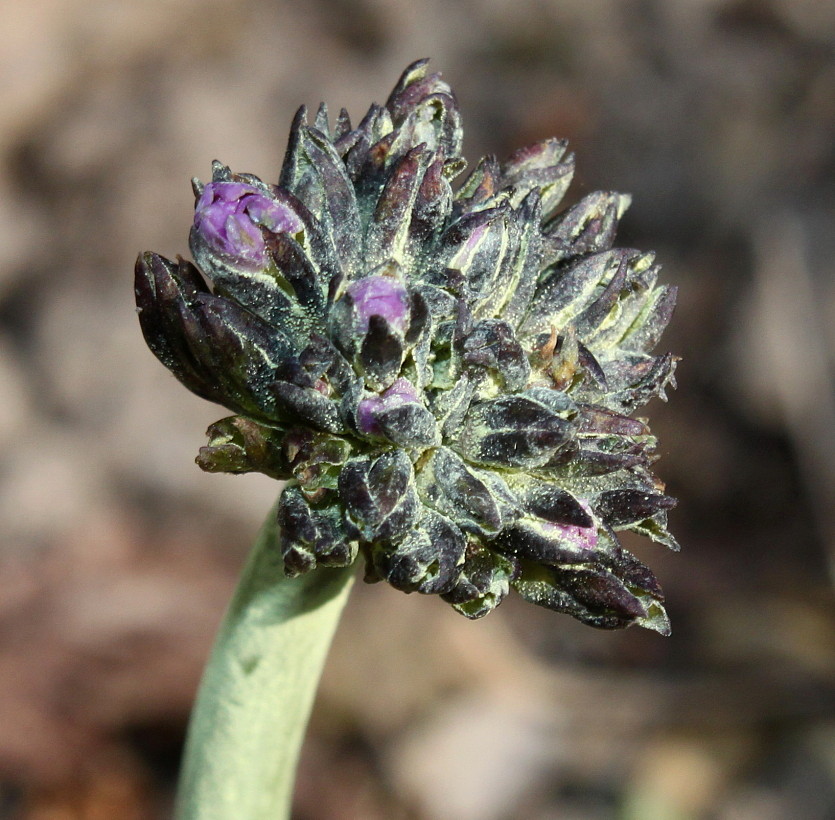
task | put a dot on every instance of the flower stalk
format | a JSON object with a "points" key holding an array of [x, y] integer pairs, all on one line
{"points": [[255, 698]]}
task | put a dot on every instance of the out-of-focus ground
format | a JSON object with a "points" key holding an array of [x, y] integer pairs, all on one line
{"points": [[117, 555]]}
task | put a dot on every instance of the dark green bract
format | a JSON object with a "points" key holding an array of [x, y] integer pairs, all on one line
{"points": [[443, 374]]}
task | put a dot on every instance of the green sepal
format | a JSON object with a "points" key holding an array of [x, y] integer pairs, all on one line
{"points": [[240, 445]]}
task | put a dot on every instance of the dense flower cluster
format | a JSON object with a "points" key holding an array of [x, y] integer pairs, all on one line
{"points": [[445, 376]]}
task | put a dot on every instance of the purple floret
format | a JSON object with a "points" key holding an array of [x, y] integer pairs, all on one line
{"points": [[230, 215], [380, 296], [400, 393]]}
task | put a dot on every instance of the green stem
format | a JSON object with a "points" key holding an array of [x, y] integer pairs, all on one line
{"points": [[255, 698]]}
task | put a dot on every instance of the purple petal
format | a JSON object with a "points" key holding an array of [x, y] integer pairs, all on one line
{"points": [[229, 216], [380, 296], [400, 393]]}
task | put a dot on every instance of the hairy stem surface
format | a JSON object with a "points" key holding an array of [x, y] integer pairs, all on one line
{"points": [[257, 691]]}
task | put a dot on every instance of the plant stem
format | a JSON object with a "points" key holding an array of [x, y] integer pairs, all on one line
{"points": [[257, 691]]}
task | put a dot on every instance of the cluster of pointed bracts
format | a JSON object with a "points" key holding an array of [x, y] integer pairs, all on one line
{"points": [[443, 374]]}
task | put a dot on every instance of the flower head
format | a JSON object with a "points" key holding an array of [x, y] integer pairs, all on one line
{"points": [[443, 374]]}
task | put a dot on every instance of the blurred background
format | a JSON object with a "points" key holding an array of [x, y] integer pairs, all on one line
{"points": [[117, 555]]}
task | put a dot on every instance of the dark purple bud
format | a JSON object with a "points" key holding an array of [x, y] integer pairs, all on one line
{"points": [[311, 536], [619, 507], [635, 574], [379, 496], [322, 360], [521, 430], [567, 291], [428, 560], [413, 85], [308, 284], [432, 203], [419, 318], [492, 346], [388, 232], [587, 227], [477, 501], [635, 301], [548, 543], [308, 405], [291, 370], [593, 595], [451, 406], [659, 311], [424, 110], [476, 245], [410, 425], [558, 506], [315, 173], [484, 583], [635, 379], [229, 217], [241, 351], [442, 305], [400, 393], [601, 590], [600, 420], [277, 288], [399, 415], [294, 165], [216, 348], [164, 293], [594, 373], [542, 166], [343, 124], [354, 146], [590, 461], [375, 310], [590, 318], [321, 123], [481, 185], [381, 353], [526, 266]]}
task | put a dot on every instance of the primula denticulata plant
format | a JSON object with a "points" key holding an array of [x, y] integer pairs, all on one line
{"points": [[444, 373]]}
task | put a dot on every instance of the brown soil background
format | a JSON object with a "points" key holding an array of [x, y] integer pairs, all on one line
{"points": [[117, 555]]}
